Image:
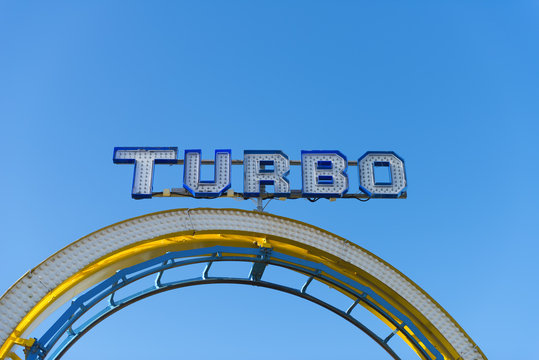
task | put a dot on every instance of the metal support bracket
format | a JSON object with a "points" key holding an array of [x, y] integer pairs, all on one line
{"points": [[27, 343], [257, 270], [36, 349]]}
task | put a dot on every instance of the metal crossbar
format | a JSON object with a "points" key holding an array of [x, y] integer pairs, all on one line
{"points": [[294, 194]]}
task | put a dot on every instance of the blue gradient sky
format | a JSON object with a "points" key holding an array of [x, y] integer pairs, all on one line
{"points": [[452, 87]]}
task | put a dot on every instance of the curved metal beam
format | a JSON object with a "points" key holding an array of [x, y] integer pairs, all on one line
{"points": [[264, 256], [97, 256], [71, 341]]}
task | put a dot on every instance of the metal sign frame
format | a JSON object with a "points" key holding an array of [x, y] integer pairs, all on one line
{"points": [[323, 173]]}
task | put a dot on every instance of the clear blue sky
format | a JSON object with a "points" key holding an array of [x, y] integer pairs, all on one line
{"points": [[451, 86]]}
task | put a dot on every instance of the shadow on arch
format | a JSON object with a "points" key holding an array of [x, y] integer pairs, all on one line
{"points": [[88, 274]]}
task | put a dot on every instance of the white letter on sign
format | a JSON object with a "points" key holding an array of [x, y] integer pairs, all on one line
{"points": [[324, 173], [265, 168], [144, 159], [205, 188], [386, 163]]}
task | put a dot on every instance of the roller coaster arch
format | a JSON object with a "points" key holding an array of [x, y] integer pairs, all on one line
{"points": [[97, 265]]}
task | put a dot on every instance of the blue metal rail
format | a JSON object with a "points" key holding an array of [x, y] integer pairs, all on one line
{"points": [[47, 347]]}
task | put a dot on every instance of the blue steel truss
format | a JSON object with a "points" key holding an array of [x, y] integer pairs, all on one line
{"points": [[49, 346]]}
